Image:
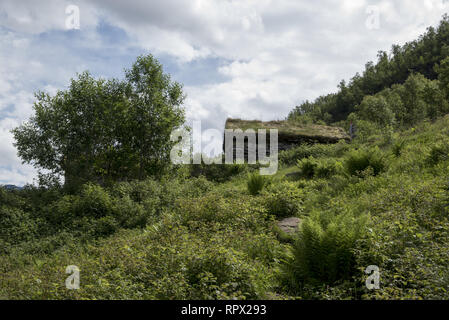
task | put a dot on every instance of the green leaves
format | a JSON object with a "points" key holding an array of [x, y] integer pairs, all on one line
{"points": [[443, 75], [319, 168], [405, 68], [360, 160], [154, 112], [324, 250], [104, 130], [376, 109], [255, 183], [284, 199]]}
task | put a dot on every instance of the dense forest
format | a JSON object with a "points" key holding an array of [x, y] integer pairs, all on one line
{"points": [[109, 201], [406, 68]]}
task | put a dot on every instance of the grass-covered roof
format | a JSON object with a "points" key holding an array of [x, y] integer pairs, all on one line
{"points": [[291, 130]]}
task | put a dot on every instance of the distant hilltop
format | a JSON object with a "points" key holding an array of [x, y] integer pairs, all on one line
{"points": [[10, 187]]}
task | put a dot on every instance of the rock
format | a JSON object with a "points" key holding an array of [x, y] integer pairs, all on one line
{"points": [[289, 225]]}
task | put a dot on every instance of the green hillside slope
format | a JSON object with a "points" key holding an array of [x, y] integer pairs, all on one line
{"points": [[379, 201]]}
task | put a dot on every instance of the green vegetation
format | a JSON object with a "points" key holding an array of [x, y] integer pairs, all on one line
{"points": [[358, 161], [324, 251], [104, 131], [284, 199], [212, 232], [255, 183], [427, 56], [321, 168], [319, 132], [188, 237]]}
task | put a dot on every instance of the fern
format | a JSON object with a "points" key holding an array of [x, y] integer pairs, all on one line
{"points": [[255, 183]]}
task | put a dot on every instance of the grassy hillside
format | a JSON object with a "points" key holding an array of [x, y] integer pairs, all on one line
{"points": [[379, 200]]}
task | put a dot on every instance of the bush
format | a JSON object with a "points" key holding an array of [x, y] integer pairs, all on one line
{"points": [[362, 159], [94, 201], [11, 198], [195, 187], [307, 167], [208, 209], [323, 168], [173, 189], [284, 199], [96, 212], [255, 183], [215, 210], [438, 152], [366, 130], [217, 172], [138, 191], [265, 247], [327, 168], [325, 249], [397, 148], [220, 273], [16, 225], [129, 214], [291, 156]]}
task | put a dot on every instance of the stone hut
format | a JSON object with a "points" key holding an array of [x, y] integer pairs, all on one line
{"points": [[289, 134]]}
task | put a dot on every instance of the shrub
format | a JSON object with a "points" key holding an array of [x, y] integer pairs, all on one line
{"points": [[264, 247], [322, 168], [11, 198], [341, 148], [438, 152], [208, 209], [138, 191], [362, 159], [284, 199], [397, 148], [365, 130], [195, 187], [129, 214], [220, 273], [100, 227], [173, 189], [96, 212], [327, 168], [324, 251], [255, 183], [94, 201], [213, 209], [291, 156], [16, 225], [307, 167], [217, 172]]}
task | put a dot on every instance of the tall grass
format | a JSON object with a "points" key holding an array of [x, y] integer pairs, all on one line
{"points": [[255, 183], [360, 160]]}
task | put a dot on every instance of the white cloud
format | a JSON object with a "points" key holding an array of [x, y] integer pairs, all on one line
{"points": [[34, 17], [11, 170], [275, 53]]}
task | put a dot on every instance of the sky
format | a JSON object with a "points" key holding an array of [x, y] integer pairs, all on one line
{"points": [[248, 59]]}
